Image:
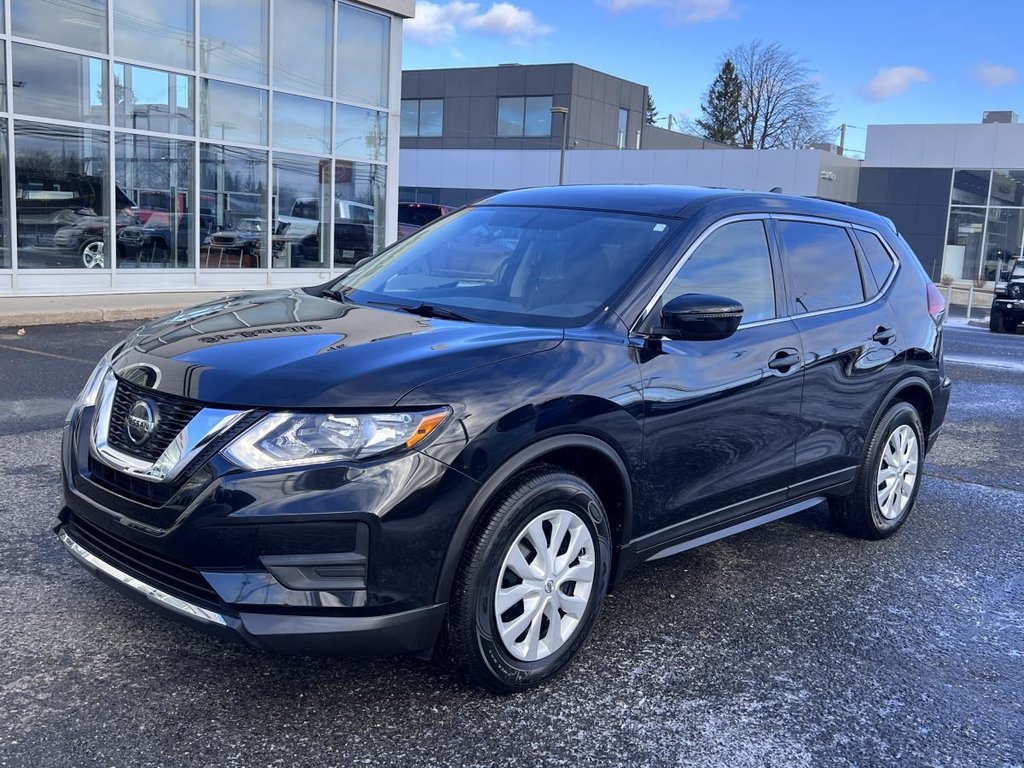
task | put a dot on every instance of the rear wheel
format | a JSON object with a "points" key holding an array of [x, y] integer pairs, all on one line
{"points": [[531, 582], [889, 477]]}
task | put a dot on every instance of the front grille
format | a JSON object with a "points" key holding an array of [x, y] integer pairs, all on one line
{"points": [[170, 576], [218, 240], [173, 413], [147, 492]]}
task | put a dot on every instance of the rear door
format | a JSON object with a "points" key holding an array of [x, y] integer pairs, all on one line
{"points": [[848, 333], [720, 423]]}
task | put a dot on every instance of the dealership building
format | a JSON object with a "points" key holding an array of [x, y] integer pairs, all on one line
{"points": [[168, 145]]}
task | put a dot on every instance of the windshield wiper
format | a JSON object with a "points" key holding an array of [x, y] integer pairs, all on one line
{"points": [[341, 295], [429, 310]]}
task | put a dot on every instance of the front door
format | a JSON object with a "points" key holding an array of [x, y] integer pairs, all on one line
{"points": [[721, 417]]}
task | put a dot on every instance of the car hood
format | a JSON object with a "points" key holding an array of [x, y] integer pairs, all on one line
{"points": [[290, 349]]}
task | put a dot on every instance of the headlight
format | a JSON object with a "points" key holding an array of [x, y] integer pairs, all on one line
{"points": [[293, 439], [91, 391]]}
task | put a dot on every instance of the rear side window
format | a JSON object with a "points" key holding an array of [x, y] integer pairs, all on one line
{"points": [[823, 265], [734, 262], [879, 261]]}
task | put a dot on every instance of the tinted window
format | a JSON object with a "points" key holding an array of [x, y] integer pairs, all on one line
{"points": [[734, 262], [823, 265], [878, 259]]}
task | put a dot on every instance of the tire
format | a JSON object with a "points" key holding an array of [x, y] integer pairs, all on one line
{"points": [[502, 545], [862, 513], [996, 321], [92, 254]]}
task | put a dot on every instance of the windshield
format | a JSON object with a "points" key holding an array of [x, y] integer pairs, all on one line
{"points": [[514, 266]]}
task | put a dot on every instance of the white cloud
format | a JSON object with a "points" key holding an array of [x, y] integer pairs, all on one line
{"points": [[891, 81], [995, 75], [683, 11], [437, 23]]}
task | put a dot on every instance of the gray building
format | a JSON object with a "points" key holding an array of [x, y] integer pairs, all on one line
{"points": [[956, 192]]}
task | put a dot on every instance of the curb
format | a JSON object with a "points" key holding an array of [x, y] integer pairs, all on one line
{"points": [[21, 312]]}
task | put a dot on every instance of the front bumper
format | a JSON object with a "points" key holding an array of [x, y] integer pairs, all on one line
{"points": [[405, 632], [1012, 306], [335, 559]]}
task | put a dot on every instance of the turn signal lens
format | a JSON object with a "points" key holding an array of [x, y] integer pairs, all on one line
{"points": [[427, 424]]}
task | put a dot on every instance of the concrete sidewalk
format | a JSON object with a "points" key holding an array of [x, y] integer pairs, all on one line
{"points": [[20, 311]]}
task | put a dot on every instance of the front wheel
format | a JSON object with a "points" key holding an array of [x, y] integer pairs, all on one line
{"points": [[889, 477], [996, 322], [92, 255], [531, 582]]}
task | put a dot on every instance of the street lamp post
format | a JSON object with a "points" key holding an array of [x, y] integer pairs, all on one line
{"points": [[564, 112]]}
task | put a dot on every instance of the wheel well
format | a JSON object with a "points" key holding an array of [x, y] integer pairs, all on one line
{"points": [[601, 473], [922, 402]]}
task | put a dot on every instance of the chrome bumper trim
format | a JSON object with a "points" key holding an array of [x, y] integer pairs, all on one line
{"points": [[158, 596]]}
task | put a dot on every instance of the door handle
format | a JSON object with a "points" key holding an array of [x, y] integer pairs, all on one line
{"points": [[883, 335], [783, 360]]}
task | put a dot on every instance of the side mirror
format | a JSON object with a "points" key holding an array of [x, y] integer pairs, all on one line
{"points": [[700, 317]]}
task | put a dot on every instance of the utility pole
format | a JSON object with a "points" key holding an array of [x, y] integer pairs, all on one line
{"points": [[842, 139]]}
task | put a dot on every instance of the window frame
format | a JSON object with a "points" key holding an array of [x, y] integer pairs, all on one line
{"points": [[419, 120], [785, 310], [523, 132]]}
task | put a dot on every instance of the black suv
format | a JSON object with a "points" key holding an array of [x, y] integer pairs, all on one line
{"points": [[362, 466], [1008, 300]]}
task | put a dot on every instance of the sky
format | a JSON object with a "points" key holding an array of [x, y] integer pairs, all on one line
{"points": [[900, 61]]}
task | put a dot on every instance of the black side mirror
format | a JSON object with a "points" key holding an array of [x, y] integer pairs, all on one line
{"points": [[700, 317]]}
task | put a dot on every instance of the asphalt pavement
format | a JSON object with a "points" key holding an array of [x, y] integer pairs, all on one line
{"points": [[789, 645]]}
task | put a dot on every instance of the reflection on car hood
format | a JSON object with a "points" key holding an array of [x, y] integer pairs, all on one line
{"points": [[289, 349]]}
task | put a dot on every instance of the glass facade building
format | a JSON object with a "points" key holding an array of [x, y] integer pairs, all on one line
{"points": [[986, 223], [190, 144]]}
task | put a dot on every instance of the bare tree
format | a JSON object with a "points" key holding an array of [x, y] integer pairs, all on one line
{"points": [[782, 105]]}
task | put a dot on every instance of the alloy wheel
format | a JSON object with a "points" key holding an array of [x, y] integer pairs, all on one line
{"points": [[897, 472], [92, 255], [544, 585]]}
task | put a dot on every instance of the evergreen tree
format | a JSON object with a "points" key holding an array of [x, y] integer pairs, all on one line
{"points": [[651, 111], [721, 106]]}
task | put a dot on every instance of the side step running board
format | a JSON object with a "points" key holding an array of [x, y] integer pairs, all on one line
{"points": [[746, 525]]}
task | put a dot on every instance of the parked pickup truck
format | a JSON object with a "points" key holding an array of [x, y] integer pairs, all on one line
{"points": [[353, 229]]}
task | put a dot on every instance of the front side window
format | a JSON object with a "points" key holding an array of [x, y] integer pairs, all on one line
{"points": [[823, 265], [734, 262], [514, 266]]}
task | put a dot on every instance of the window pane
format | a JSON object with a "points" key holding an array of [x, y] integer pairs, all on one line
{"points": [[232, 112], [152, 100], [5, 248], [823, 265], [363, 50], [733, 262], [158, 31], [61, 195], [302, 124], [410, 117], [359, 210], [234, 40], [879, 261], [3, 74], [1002, 240], [961, 259], [301, 195], [302, 45], [431, 117], [360, 133], [623, 122], [75, 23], [61, 85], [510, 117], [538, 116], [970, 187], [1007, 188], [157, 175], [233, 200]]}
